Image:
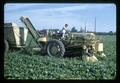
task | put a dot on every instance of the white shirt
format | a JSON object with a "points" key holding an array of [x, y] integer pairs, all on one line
{"points": [[64, 30]]}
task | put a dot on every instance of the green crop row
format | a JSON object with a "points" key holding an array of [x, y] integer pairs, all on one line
{"points": [[18, 65]]}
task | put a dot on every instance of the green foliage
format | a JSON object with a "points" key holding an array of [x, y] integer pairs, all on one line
{"points": [[73, 29], [18, 65]]}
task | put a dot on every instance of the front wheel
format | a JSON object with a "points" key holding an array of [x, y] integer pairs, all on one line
{"points": [[55, 48]]}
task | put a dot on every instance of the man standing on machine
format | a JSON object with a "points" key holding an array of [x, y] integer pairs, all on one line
{"points": [[64, 30]]}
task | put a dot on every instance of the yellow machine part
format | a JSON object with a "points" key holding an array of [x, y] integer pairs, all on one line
{"points": [[43, 39], [15, 35], [99, 47]]}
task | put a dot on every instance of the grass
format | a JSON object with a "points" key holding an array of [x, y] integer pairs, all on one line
{"points": [[18, 65]]}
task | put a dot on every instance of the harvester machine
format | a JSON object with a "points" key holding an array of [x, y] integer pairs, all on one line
{"points": [[55, 45], [47, 45]]}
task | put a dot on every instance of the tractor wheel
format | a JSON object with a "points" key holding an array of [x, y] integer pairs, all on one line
{"points": [[55, 48], [6, 46]]}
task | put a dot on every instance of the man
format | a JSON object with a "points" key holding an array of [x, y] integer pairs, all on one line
{"points": [[64, 30]]}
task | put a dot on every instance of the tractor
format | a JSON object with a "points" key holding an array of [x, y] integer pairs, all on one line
{"points": [[53, 44]]}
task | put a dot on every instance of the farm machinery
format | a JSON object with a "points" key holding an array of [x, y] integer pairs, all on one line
{"points": [[52, 43], [14, 36]]}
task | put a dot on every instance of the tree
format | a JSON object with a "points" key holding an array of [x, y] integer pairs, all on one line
{"points": [[110, 33], [73, 29]]}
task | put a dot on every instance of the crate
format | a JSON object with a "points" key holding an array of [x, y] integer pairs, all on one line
{"points": [[16, 36]]}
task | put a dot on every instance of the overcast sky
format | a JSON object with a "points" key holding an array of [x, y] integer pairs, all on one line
{"points": [[55, 15]]}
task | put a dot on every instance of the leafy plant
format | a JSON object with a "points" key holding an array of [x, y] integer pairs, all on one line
{"points": [[18, 65]]}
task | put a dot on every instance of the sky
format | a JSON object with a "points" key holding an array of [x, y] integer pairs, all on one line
{"points": [[55, 15]]}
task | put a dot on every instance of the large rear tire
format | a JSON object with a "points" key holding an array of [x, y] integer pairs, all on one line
{"points": [[6, 46], [55, 48]]}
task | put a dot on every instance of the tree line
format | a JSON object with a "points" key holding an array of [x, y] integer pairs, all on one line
{"points": [[97, 33]]}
